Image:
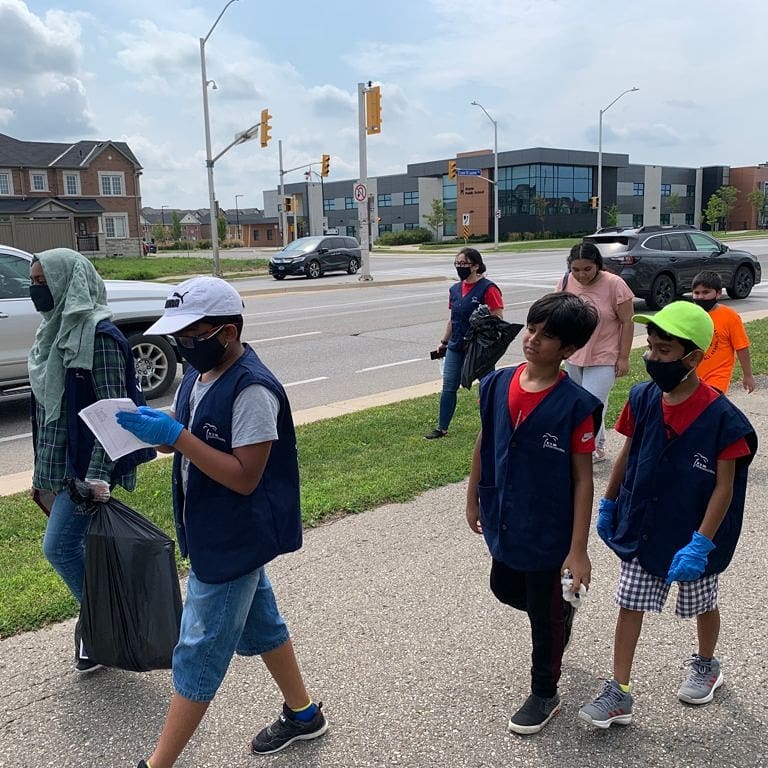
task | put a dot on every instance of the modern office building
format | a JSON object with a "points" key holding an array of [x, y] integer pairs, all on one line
{"points": [[744, 214]]}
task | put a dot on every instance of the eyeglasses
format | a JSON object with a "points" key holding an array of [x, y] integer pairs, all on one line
{"points": [[188, 342], [462, 264]]}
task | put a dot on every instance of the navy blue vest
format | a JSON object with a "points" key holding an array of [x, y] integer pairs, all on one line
{"points": [[668, 483], [526, 485], [461, 309], [225, 534], [79, 393]]}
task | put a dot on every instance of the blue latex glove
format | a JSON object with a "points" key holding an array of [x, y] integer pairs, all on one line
{"points": [[689, 562], [151, 426], [606, 519]]}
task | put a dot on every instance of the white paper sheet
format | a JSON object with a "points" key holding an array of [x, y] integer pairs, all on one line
{"points": [[100, 418]]}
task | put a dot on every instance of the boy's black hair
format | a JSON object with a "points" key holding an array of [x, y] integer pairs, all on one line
{"points": [[587, 251], [709, 280], [688, 345], [568, 317], [473, 256], [236, 320]]}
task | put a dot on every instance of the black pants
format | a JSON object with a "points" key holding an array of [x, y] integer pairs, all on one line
{"points": [[540, 595]]}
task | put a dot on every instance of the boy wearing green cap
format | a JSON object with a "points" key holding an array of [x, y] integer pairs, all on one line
{"points": [[674, 504]]}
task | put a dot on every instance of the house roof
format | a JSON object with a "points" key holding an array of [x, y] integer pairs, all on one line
{"points": [[81, 205], [15, 153]]}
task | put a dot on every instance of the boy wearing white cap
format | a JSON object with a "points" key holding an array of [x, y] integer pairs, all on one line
{"points": [[236, 505], [674, 504]]}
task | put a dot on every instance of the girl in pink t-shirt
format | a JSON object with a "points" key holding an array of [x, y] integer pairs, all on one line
{"points": [[606, 355]]}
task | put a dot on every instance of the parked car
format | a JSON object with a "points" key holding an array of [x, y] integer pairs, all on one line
{"points": [[659, 262], [314, 256], [148, 247], [136, 305]]}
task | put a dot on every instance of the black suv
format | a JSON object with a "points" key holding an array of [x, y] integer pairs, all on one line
{"points": [[659, 262], [313, 256]]}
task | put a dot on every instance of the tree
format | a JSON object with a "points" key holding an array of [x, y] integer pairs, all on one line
{"points": [[674, 202], [728, 197], [221, 227], [714, 211], [438, 217], [158, 233], [758, 199], [175, 226], [612, 215]]}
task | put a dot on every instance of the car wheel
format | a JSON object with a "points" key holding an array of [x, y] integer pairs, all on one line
{"points": [[353, 266], [278, 277], [742, 283], [662, 292], [155, 361], [313, 269]]}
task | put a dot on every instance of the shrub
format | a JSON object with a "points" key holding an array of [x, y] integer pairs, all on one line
{"points": [[203, 245], [405, 237]]}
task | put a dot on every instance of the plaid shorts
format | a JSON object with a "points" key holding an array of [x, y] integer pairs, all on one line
{"points": [[639, 590]]}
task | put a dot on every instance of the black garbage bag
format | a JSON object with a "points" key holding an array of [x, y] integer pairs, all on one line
{"points": [[131, 609], [486, 341]]}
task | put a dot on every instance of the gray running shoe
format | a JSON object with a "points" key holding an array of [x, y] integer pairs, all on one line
{"points": [[285, 730], [611, 706], [704, 678], [535, 713]]}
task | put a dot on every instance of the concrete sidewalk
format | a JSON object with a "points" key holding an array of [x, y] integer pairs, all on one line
{"points": [[416, 662]]}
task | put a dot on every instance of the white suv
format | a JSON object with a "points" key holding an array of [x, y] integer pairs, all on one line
{"points": [[135, 305]]}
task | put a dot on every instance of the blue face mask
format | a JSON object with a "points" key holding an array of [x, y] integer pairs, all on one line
{"points": [[667, 376]]}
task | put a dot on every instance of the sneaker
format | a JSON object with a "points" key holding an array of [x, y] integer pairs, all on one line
{"points": [[141, 764], [598, 456], [436, 434], [83, 664], [285, 730], [611, 706], [533, 715], [704, 678]]}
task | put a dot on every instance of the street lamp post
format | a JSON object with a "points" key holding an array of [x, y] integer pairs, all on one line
{"points": [[208, 159], [600, 156], [495, 175], [237, 217], [162, 217]]}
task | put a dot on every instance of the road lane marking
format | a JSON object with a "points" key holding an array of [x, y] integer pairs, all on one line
{"points": [[304, 381], [11, 438], [282, 338], [390, 365]]}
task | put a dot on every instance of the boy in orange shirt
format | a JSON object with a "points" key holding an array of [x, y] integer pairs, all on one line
{"points": [[729, 341]]}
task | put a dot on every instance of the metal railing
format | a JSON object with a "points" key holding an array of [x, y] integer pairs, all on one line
{"points": [[87, 243]]}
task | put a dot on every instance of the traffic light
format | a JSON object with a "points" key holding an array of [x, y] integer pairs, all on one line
{"points": [[451, 169], [265, 129], [325, 167], [287, 204], [594, 202], [373, 110]]}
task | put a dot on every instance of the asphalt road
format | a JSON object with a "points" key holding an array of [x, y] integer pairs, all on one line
{"points": [[334, 338]]}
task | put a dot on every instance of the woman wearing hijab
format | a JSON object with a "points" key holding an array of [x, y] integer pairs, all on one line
{"points": [[78, 357]]}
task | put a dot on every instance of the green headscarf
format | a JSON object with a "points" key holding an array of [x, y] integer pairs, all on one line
{"points": [[65, 338]]}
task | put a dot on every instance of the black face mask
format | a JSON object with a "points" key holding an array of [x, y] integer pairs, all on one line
{"points": [[463, 272], [667, 376], [204, 354], [41, 297], [706, 304]]}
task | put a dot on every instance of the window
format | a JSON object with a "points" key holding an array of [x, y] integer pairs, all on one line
{"points": [[270, 234], [664, 218], [638, 188], [385, 227], [14, 272], [703, 244], [676, 241], [409, 225], [329, 205], [666, 190], [637, 219], [690, 190], [351, 232], [410, 198], [6, 186], [256, 234], [116, 225], [384, 201], [38, 181], [349, 203], [71, 183], [689, 218], [111, 184]]}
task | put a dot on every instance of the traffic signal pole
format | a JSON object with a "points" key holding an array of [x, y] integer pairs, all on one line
{"points": [[362, 206], [283, 217]]}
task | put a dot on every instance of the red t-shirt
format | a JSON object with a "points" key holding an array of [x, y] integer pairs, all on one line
{"points": [[521, 404], [677, 418], [491, 297]]}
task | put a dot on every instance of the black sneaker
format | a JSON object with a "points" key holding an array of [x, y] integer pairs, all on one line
{"points": [[285, 730], [141, 764], [534, 714], [436, 434], [82, 663]]}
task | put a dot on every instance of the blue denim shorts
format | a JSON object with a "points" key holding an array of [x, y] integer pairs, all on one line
{"points": [[219, 620]]}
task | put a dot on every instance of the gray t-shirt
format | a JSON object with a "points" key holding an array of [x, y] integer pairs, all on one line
{"points": [[254, 417]]}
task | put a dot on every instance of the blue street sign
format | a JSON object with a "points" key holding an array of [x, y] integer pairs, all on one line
{"points": [[468, 172]]}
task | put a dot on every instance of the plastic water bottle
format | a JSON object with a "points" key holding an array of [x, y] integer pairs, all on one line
{"points": [[576, 599]]}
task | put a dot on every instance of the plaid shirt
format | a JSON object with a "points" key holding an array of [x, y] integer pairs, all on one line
{"points": [[108, 376]]}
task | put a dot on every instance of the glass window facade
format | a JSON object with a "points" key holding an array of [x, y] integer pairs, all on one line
{"points": [[566, 188], [690, 190], [385, 227], [689, 218], [329, 205], [637, 219], [384, 201], [666, 190], [410, 198], [349, 203], [638, 189], [449, 201], [409, 225], [664, 218]]}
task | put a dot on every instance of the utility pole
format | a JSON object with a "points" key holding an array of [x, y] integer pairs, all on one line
{"points": [[283, 217], [362, 205]]}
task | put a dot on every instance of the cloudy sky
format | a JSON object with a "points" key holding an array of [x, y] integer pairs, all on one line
{"points": [[130, 71]]}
